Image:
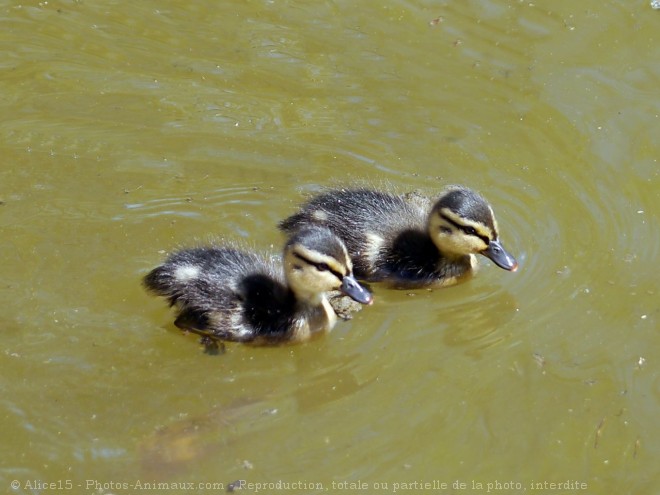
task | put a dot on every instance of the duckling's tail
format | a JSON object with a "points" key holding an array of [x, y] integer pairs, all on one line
{"points": [[292, 223], [160, 283]]}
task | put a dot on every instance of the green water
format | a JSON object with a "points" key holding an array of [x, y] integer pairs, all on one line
{"points": [[130, 129]]}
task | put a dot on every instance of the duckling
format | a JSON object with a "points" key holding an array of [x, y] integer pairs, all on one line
{"points": [[226, 294], [409, 240]]}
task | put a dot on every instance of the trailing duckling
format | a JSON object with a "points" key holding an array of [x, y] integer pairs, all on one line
{"points": [[226, 294], [408, 240]]}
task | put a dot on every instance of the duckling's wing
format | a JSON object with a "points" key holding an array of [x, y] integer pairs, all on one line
{"points": [[367, 221], [215, 292], [194, 277], [339, 210], [411, 259], [242, 297], [268, 307]]}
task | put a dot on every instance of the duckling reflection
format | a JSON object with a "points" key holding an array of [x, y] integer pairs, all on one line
{"points": [[408, 241], [178, 446], [226, 294]]}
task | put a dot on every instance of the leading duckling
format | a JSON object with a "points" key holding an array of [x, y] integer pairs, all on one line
{"points": [[408, 240], [226, 294]]}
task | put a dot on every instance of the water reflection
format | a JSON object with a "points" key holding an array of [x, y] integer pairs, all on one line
{"points": [[479, 321], [132, 129]]}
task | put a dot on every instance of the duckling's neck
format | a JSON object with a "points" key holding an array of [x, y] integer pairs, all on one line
{"points": [[314, 315], [327, 316], [453, 268], [413, 258]]}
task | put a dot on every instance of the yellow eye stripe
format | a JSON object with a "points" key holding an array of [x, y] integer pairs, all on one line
{"points": [[468, 226], [320, 260]]}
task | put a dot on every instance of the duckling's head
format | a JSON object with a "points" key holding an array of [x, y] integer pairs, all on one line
{"points": [[462, 223], [315, 262]]}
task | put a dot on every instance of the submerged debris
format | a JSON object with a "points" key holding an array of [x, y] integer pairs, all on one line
{"points": [[343, 305]]}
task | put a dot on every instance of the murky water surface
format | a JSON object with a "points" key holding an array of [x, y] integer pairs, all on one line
{"points": [[130, 129]]}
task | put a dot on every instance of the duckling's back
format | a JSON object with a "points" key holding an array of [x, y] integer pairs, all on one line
{"points": [[225, 292], [371, 224]]}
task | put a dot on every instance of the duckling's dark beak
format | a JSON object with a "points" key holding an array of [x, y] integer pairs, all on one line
{"points": [[355, 291], [500, 257]]}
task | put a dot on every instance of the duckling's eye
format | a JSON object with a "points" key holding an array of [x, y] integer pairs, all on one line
{"points": [[470, 231], [322, 267]]}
